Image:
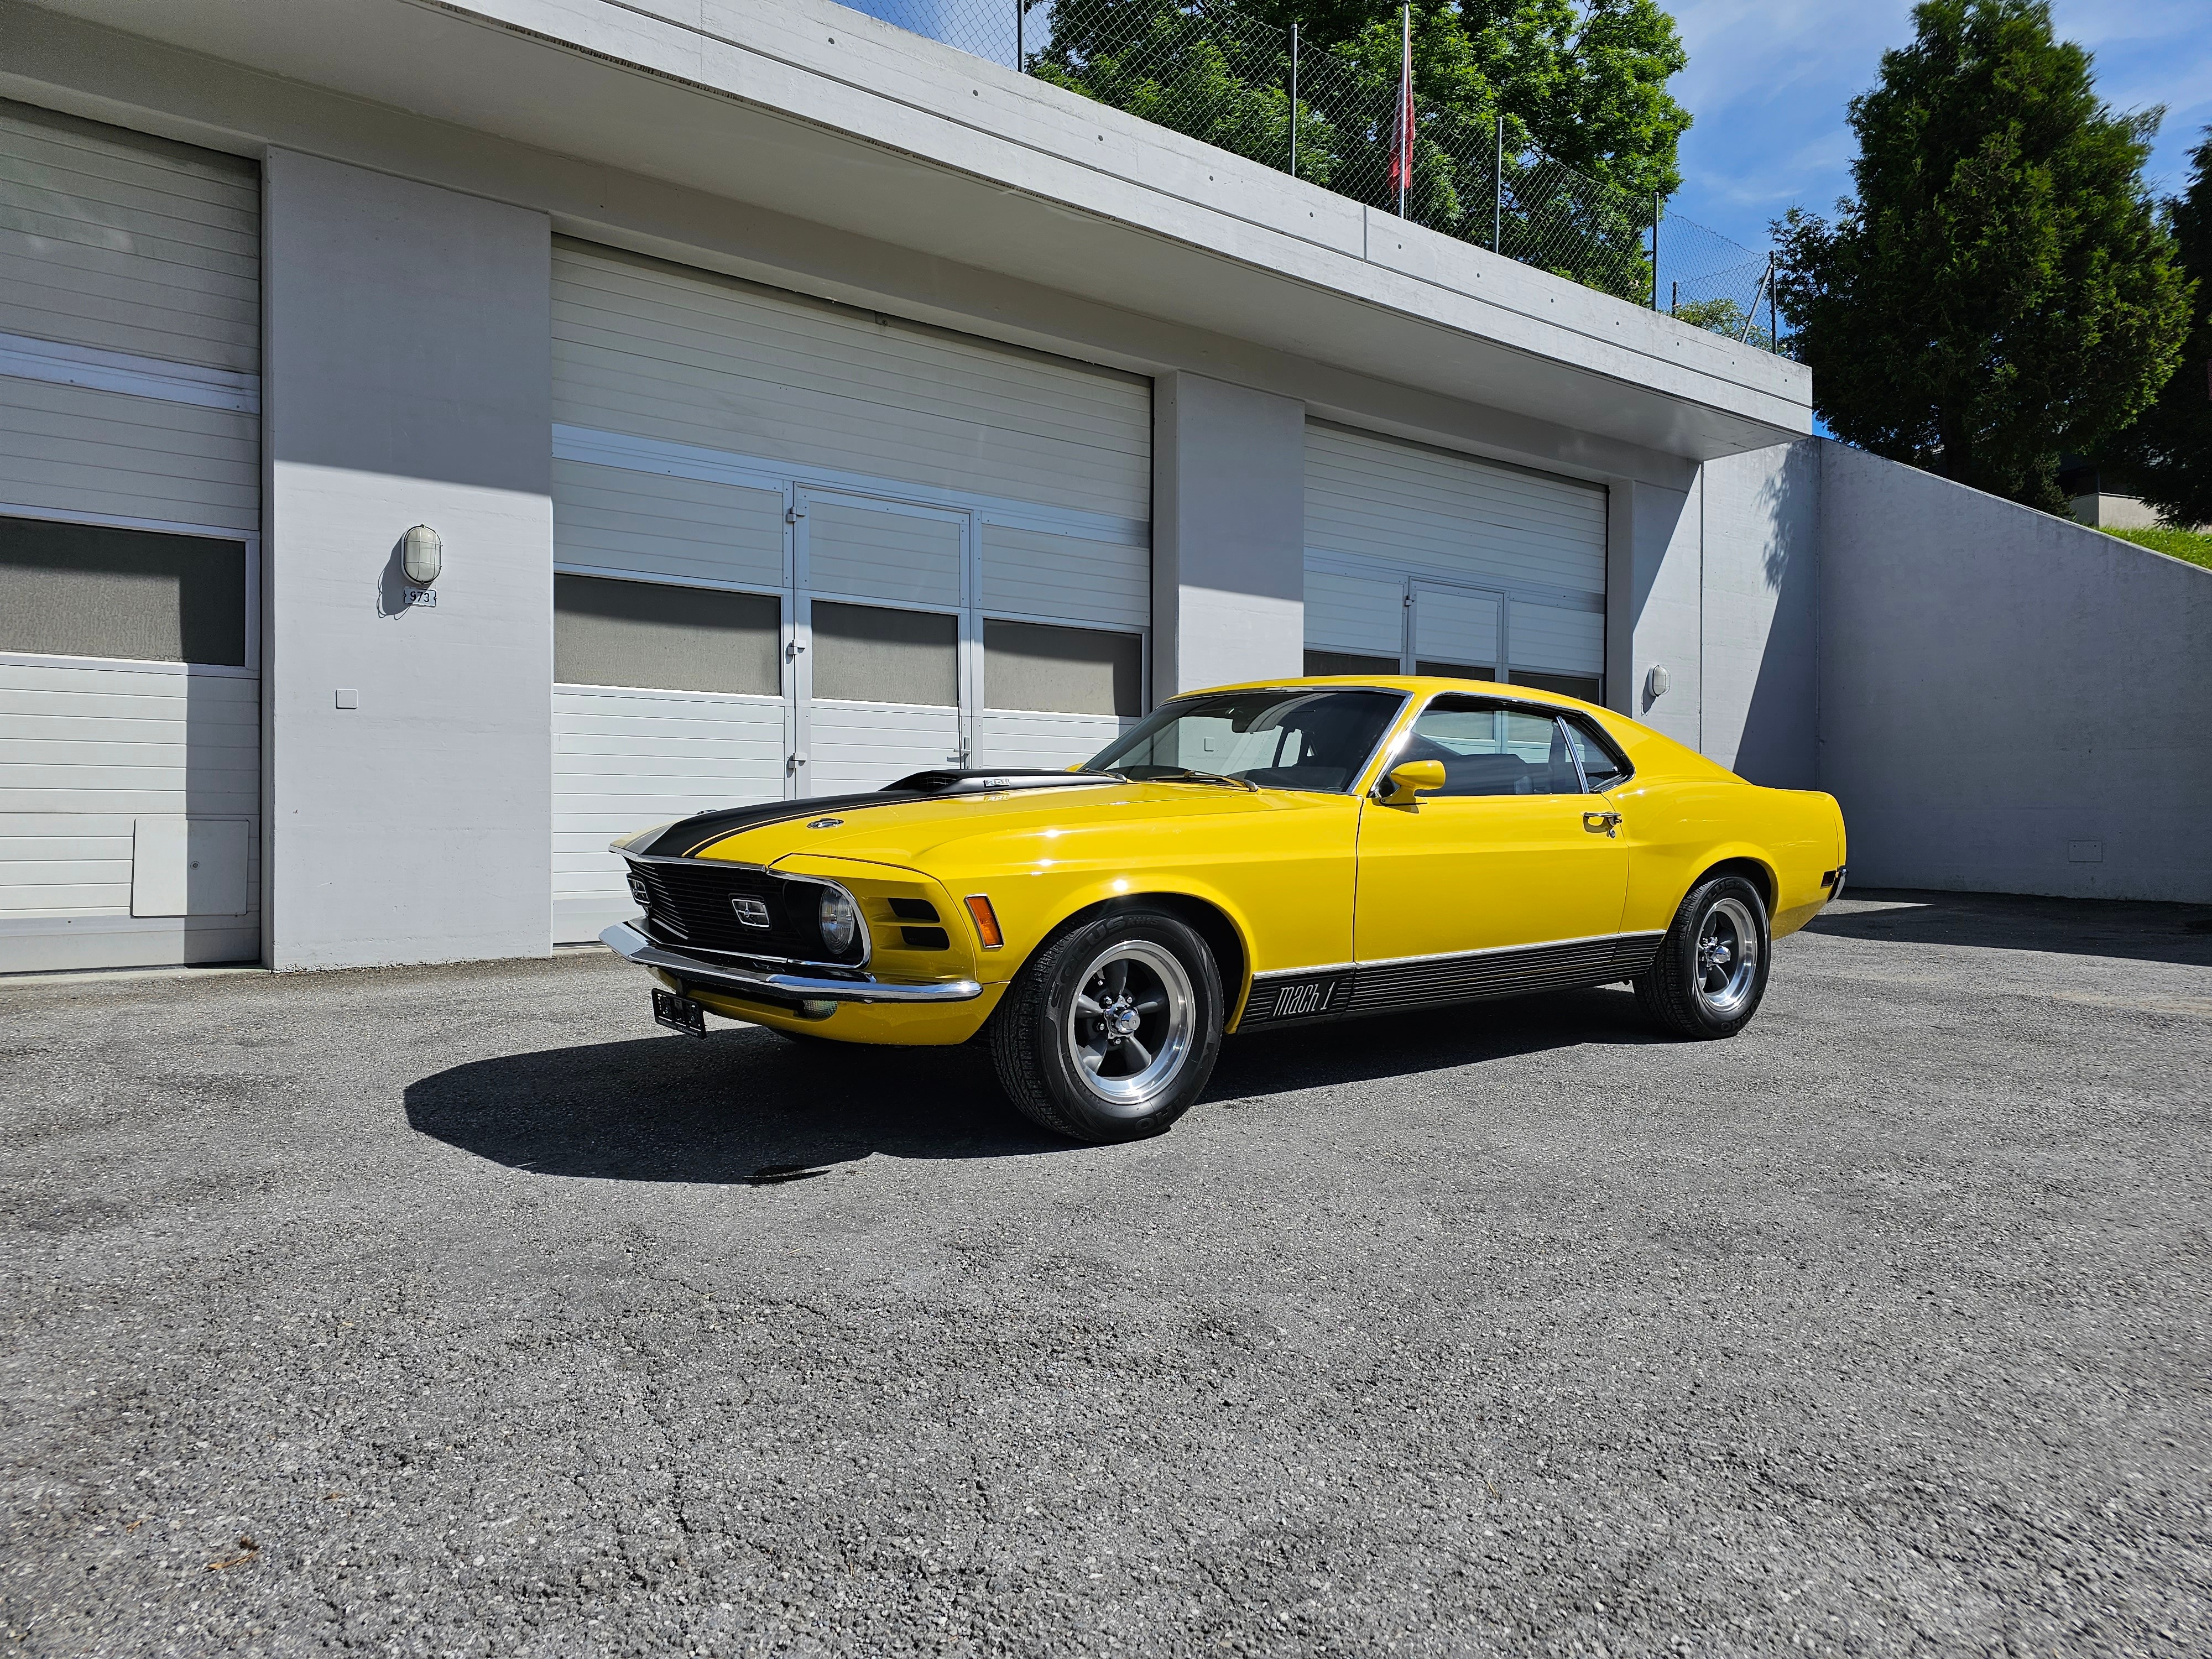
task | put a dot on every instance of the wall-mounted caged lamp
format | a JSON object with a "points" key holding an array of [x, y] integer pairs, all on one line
{"points": [[422, 555]]}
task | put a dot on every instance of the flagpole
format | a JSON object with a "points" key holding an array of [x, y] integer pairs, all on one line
{"points": [[1404, 102]]}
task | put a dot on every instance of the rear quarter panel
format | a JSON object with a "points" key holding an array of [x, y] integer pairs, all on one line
{"points": [[1683, 814]]}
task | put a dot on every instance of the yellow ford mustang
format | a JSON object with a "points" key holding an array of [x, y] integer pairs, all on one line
{"points": [[1250, 857]]}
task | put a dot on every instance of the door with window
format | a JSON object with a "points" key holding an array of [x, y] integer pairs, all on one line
{"points": [[885, 666], [1515, 850]]}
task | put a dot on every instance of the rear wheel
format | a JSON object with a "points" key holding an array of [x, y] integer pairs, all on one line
{"points": [[1110, 1031], [1711, 972]]}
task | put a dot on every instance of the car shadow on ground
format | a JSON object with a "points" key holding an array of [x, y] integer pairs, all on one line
{"points": [[748, 1107], [2135, 931]]}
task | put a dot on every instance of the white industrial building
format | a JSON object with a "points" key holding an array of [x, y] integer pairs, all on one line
{"points": [[798, 403]]}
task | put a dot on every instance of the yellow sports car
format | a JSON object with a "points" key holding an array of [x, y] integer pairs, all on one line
{"points": [[1254, 856]]}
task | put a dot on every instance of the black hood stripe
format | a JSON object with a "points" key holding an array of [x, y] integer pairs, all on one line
{"points": [[690, 836]]}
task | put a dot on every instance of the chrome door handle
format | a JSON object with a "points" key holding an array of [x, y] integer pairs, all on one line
{"points": [[1605, 824]]}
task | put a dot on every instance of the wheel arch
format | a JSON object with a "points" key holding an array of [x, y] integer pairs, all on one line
{"points": [[1209, 920], [1755, 870]]}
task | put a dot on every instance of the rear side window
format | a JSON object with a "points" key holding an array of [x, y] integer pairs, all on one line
{"points": [[1601, 763]]}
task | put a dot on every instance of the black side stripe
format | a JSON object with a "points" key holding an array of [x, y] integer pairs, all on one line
{"points": [[1380, 987]]}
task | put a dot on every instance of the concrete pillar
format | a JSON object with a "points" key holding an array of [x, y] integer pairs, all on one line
{"points": [[407, 760], [1228, 534], [1762, 582], [1665, 600]]}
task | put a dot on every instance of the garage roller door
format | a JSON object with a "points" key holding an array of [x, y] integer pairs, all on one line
{"points": [[1422, 560], [130, 491], [804, 548]]}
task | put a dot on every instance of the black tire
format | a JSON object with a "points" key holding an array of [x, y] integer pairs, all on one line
{"points": [[1039, 1029], [1698, 985]]}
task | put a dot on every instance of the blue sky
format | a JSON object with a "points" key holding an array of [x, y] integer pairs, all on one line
{"points": [[1768, 81]]}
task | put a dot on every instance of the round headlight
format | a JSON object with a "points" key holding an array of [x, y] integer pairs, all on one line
{"points": [[840, 922]]}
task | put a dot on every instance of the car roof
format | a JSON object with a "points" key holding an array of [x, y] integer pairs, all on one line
{"points": [[1415, 684]]}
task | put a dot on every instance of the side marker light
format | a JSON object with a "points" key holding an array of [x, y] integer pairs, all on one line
{"points": [[986, 920]]}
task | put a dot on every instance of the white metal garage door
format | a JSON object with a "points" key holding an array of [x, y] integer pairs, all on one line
{"points": [[804, 548], [130, 498], [1420, 560]]}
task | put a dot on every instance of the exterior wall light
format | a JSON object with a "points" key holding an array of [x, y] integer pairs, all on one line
{"points": [[422, 555], [1654, 682]]}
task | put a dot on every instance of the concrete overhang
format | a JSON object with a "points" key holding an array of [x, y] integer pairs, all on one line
{"points": [[809, 111]]}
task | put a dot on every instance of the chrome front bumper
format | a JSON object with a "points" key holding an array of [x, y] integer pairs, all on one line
{"points": [[625, 941]]}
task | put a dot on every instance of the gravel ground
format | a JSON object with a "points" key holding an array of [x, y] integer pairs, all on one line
{"points": [[499, 1322]]}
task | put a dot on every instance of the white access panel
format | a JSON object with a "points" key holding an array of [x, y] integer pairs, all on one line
{"points": [[129, 358], [189, 867]]}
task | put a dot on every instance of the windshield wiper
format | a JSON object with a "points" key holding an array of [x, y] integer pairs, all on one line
{"points": [[1187, 775]]}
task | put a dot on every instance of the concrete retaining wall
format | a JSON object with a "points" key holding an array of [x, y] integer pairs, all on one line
{"points": [[2009, 702]]}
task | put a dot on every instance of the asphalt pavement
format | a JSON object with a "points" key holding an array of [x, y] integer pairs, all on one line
{"points": [[462, 1311]]}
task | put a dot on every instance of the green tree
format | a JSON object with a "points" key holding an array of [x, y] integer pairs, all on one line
{"points": [[1584, 80], [2166, 456], [2000, 289]]}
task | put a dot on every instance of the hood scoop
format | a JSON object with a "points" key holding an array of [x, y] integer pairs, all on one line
{"points": [[976, 781]]}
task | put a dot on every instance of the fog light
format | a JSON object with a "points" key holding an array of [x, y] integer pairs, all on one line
{"points": [[839, 920]]}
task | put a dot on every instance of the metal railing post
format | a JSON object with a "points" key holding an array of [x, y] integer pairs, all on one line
{"points": [[1774, 328], [1294, 100], [1021, 52], [1498, 193], [1656, 209]]}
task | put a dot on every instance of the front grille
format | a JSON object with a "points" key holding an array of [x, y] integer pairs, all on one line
{"points": [[689, 902]]}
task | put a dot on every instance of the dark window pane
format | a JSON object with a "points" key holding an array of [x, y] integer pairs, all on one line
{"points": [[1487, 750], [1600, 765], [665, 638], [1343, 662], [1457, 671], [1317, 738], [867, 654], [1061, 670], [82, 590], [1590, 689]]}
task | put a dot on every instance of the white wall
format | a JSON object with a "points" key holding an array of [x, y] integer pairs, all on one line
{"points": [[1228, 534], [2009, 702], [408, 380], [1760, 659], [1665, 602]]}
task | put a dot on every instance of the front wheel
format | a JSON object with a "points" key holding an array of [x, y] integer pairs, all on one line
{"points": [[1710, 971], [1110, 1031]]}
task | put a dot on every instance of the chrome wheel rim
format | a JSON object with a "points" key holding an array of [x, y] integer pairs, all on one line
{"points": [[1131, 1026], [1728, 957]]}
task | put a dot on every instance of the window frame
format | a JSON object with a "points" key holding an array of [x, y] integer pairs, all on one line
{"points": [[250, 543], [1560, 718], [1353, 790]]}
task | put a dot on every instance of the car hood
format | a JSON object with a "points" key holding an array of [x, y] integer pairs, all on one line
{"points": [[1022, 827]]}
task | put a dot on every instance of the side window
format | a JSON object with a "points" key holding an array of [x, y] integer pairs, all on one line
{"points": [[1491, 750], [1600, 764]]}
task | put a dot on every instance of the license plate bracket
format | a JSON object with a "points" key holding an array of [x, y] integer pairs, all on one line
{"points": [[679, 1014]]}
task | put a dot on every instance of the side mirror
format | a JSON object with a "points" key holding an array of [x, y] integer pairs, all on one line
{"points": [[1409, 779]]}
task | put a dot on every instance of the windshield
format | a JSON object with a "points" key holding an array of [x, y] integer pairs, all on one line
{"points": [[1291, 739]]}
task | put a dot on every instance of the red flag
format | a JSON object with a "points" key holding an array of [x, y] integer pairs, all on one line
{"points": [[1401, 141]]}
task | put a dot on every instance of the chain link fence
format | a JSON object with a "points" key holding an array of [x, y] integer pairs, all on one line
{"points": [[1330, 115]]}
